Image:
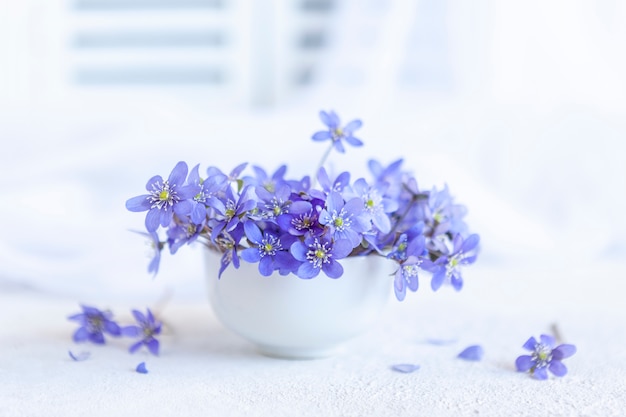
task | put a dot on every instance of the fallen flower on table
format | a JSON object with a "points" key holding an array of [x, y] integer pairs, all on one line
{"points": [[148, 327], [93, 325], [544, 356]]}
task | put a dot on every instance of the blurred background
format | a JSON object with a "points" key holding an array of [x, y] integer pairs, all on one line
{"points": [[520, 107]]}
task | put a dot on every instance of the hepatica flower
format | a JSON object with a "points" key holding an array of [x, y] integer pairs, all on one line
{"points": [[336, 133], [94, 324], [146, 329], [308, 225], [544, 357], [164, 198]]}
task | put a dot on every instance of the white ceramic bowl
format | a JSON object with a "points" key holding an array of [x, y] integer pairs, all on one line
{"points": [[289, 317]]}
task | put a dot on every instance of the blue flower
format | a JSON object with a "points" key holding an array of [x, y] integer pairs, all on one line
{"points": [[375, 205], [164, 198], [344, 219], [336, 133], [409, 256], [205, 190], [320, 254], [448, 266], [544, 356], [229, 211], [261, 178], [441, 215], [269, 250], [93, 325], [147, 328], [338, 185], [155, 250]]}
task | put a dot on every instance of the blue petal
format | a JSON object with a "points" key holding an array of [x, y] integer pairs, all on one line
{"points": [[405, 368], [321, 136], [152, 220], [307, 271], [524, 363], [79, 357], [251, 255], [540, 373], [179, 174], [563, 351], [153, 346], [139, 203], [472, 353], [333, 269], [354, 141], [266, 266], [353, 125], [470, 243], [342, 248], [141, 368], [547, 340], [557, 368], [253, 232], [530, 344], [437, 280], [80, 335], [299, 250], [135, 346]]}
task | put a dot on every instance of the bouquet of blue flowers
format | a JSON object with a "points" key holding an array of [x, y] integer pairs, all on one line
{"points": [[307, 226]]}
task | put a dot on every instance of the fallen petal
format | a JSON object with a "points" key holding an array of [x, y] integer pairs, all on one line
{"points": [[141, 368], [405, 368], [80, 356], [472, 353]]}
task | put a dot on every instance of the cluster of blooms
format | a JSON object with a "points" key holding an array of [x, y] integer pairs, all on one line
{"points": [[295, 227], [94, 324]]}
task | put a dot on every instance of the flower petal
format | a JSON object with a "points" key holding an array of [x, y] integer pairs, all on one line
{"points": [[405, 368], [540, 373], [321, 136], [563, 351], [141, 368], [333, 269], [472, 353], [547, 340], [524, 363], [80, 356], [139, 203], [557, 368], [530, 344]]}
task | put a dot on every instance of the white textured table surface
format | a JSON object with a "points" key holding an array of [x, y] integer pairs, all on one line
{"points": [[206, 371]]}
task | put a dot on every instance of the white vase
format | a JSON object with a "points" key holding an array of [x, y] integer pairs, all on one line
{"points": [[290, 317]]}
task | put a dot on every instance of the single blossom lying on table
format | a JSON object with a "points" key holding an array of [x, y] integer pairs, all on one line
{"points": [[305, 226], [544, 356]]}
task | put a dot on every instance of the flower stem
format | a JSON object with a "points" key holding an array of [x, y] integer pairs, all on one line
{"points": [[322, 162]]}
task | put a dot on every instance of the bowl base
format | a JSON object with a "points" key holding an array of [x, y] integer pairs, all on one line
{"points": [[297, 353]]}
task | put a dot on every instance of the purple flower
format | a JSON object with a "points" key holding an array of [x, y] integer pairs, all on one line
{"points": [[472, 353], [448, 267], [409, 256], [229, 211], [344, 219], [336, 133], [261, 178], [375, 205], [164, 198], [303, 218], [155, 250], [93, 325], [338, 185], [269, 250], [206, 189], [320, 254], [544, 356], [441, 215], [147, 328]]}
